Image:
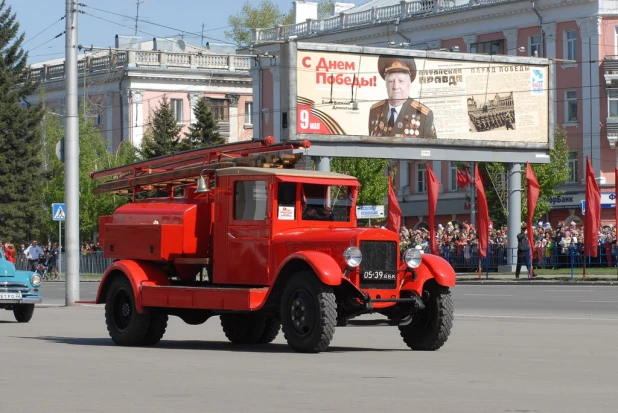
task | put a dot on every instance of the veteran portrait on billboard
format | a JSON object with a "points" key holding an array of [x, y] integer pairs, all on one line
{"points": [[399, 115]]}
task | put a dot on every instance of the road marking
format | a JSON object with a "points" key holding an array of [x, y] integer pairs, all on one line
{"points": [[534, 318], [493, 295], [569, 290]]}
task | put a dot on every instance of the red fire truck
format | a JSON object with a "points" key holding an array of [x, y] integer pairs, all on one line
{"points": [[243, 233]]}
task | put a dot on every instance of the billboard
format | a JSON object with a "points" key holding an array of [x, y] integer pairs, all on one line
{"points": [[422, 98]]}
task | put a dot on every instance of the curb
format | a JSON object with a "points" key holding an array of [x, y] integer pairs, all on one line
{"points": [[536, 282]]}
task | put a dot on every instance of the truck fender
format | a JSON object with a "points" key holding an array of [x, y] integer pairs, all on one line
{"points": [[431, 266], [323, 265], [138, 272]]}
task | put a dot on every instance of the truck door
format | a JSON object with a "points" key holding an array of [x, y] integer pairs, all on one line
{"points": [[247, 236]]}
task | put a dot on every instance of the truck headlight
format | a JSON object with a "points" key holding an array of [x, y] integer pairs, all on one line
{"points": [[412, 257], [35, 280], [353, 256]]}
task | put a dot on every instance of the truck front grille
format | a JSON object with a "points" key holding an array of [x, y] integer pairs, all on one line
{"points": [[13, 287], [378, 269]]}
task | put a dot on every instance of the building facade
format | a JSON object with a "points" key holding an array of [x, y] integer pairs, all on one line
{"points": [[579, 36], [123, 86]]}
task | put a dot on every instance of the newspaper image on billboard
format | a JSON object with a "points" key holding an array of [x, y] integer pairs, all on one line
{"points": [[401, 99]]}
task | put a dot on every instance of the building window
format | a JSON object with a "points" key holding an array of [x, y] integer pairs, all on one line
{"points": [[248, 113], [572, 167], [570, 46], [534, 46], [219, 108], [491, 47], [176, 105], [98, 118], [570, 106], [616, 40], [421, 178], [612, 99], [453, 177]]}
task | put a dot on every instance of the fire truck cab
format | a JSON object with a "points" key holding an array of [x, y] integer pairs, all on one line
{"points": [[265, 249]]}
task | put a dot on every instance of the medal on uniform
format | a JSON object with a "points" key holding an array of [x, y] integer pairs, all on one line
{"points": [[406, 131], [416, 132], [400, 125], [381, 125]]}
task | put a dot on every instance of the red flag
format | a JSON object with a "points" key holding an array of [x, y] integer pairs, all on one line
{"points": [[394, 212], [592, 219], [433, 188], [482, 216], [463, 180], [533, 195]]}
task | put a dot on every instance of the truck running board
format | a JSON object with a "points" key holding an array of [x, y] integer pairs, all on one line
{"points": [[204, 298]]}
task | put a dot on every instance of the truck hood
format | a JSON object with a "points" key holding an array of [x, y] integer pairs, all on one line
{"points": [[7, 269], [329, 237]]}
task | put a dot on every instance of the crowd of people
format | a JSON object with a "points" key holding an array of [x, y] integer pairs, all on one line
{"points": [[553, 247], [33, 255]]}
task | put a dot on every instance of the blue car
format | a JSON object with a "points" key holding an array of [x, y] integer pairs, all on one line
{"points": [[19, 290]]}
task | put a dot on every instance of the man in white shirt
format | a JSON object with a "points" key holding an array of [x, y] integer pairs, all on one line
{"points": [[33, 253]]}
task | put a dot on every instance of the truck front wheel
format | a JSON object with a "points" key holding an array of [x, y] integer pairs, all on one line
{"points": [[308, 313], [430, 327], [125, 325], [23, 312]]}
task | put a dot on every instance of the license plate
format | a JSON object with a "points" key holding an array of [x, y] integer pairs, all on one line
{"points": [[379, 275], [10, 296]]}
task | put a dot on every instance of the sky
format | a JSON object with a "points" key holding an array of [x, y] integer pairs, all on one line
{"points": [[36, 16]]}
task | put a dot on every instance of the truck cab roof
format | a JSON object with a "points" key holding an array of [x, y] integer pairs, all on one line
{"points": [[300, 173]]}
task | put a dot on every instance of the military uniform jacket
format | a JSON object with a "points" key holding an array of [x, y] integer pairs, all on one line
{"points": [[415, 120]]}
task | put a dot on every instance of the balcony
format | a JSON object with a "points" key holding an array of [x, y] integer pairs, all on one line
{"points": [[610, 70], [119, 61], [368, 17]]}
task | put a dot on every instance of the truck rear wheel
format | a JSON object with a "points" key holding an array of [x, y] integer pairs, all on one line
{"points": [[23, 312], [308, 313], [430, 327], [125, 325], [156, 329], [243, 328], [271, 330]]}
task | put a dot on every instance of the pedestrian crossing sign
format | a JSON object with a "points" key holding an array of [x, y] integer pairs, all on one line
{"points": [[58, 212]]}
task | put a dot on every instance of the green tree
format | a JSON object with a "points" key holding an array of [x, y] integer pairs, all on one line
{"points": [[162, 136], [326, 8], [205, 131], [265, 14], [20, 137], [370, 173], [550, 177], [93, 156]]}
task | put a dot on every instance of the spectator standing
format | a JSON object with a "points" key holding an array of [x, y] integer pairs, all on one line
{"points": [[9, 253], [523, 251], [52, 262], [33, 253]]}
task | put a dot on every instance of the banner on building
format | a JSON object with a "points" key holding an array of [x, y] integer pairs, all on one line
{"points": [[407, 99]]}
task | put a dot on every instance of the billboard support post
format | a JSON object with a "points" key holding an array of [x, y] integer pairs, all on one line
{"points": [[514, 218]]}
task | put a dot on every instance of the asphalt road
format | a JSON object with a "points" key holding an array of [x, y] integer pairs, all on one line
{"points": [[501, 357]]}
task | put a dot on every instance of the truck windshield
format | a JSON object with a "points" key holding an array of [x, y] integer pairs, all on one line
{"points": [[326, 202]]}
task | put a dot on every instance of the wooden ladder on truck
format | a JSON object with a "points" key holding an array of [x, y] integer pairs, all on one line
{"points": [[184, 168]]}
